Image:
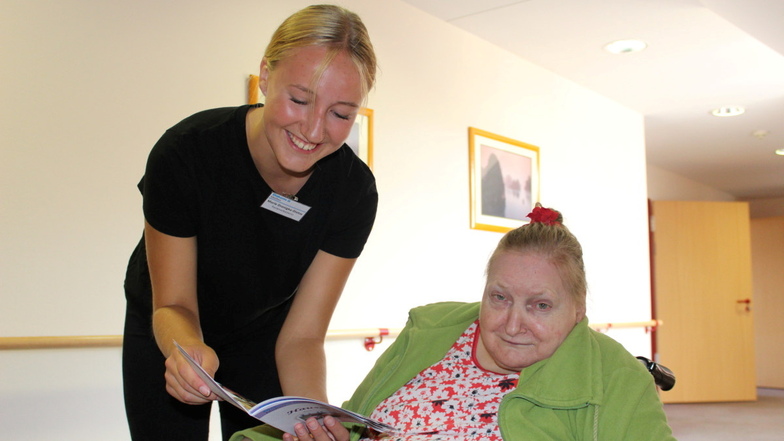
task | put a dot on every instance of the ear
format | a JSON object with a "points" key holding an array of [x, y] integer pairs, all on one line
{"points": [[580, 314], [264, 72]]}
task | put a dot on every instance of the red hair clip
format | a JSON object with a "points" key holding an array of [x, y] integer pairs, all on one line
{"points": [[544, 215]]}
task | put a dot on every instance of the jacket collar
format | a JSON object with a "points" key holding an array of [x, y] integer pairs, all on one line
{"points": [[570, 378]]}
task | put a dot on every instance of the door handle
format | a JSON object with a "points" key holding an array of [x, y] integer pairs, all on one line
{"points": [[747, 302]]}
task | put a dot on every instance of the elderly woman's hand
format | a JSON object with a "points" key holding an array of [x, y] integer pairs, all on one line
{"points": [[332, 430]]}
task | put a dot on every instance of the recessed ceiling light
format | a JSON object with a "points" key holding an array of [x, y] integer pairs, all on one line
{"points": [[625, 46], [780, 152], [728, 111]]}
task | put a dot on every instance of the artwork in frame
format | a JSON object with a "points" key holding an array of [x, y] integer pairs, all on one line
{"points": [[504, 180], [361, 137]]}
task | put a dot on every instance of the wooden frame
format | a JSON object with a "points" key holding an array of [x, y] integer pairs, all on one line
{"points": [[253, 89], [361, 137], [504, 180]]}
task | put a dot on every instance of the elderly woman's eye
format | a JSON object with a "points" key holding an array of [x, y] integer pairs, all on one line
{"points": [[499, 297], [542, 306]]}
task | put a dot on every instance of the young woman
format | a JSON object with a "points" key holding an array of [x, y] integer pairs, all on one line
{"points": [[254, 217]]}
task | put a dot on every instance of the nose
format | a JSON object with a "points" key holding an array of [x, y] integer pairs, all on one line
{"points": [[314, 126], [515, 322]]}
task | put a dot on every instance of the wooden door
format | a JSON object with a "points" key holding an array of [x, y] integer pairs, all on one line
{"points": [[703, 293], [767, 256]]}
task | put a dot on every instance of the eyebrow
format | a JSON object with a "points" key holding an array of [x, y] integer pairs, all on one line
{"points": [[310, 92]]}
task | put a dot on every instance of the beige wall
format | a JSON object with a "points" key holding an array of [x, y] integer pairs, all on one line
{"points": [[664, 185], [766, 207], [88, 87]]}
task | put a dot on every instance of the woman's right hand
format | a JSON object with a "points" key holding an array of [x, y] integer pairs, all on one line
{"points": [[172, 264], [183, 383]]}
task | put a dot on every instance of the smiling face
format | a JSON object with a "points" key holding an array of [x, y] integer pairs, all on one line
{"points": [[302, 120], [526, 312]]}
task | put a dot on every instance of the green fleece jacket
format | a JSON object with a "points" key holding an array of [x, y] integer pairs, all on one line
{"points": [[591, 388]]}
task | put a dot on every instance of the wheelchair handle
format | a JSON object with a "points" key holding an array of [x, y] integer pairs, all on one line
{"points": [[662, 376]]}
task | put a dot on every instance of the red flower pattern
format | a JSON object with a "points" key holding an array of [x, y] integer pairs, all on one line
{"points": [[454, 399]]}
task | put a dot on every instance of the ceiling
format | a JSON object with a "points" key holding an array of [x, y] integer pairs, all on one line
{"points": [[701, 55]]}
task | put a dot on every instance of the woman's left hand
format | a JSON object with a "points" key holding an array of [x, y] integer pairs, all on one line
{"points": [[332, 430]]}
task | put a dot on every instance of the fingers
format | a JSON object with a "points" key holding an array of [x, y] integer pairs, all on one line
{"points": [[332, 430], [183, 383], [338, 431]]}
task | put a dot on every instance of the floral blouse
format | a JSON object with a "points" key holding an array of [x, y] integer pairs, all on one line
{"points": [[454, 399]]}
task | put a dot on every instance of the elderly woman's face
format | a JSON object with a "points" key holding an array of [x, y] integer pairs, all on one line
{"points": [[526, 312]]}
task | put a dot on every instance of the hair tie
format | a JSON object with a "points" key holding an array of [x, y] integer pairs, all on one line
{"points": [[544, 215]]}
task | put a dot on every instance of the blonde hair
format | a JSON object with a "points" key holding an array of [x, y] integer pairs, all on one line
{"points": [[333, 27], [554, 242]]}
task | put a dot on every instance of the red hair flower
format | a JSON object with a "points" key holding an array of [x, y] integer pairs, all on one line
{"points": [[544, 215]]}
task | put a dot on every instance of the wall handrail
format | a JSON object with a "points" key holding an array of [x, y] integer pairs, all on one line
{"points": [[65, 341], [373, 335], [649, 325]]}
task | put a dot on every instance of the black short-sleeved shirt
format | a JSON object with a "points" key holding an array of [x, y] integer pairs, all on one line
{"points": [[201, 181]]}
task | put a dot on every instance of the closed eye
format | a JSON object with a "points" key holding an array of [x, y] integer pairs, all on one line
{"points": [[341, 116]]}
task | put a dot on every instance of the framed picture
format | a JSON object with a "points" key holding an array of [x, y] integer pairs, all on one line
{"points": [[361, 137], [504, 180], [253, 89]]}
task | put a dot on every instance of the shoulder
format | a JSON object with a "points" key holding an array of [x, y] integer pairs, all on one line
{"points": [[347, 167], [211, 119], [612, 352], [202, 133], [351, 181], [587, 343], [444, 314], [613, 363]]}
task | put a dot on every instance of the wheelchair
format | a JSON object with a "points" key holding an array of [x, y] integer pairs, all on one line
{"points": [[662, 376]]}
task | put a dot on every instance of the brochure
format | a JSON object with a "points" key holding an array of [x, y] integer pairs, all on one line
{"points": [[284, 412]]}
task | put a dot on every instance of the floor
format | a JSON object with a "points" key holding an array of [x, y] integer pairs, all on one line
{"points": [[760, 420]]}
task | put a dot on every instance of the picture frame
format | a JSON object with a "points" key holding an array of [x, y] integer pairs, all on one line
{"points": [[504, 180], [253, 89], [360, 139]]}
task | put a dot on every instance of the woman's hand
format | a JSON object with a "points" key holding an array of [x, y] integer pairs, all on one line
{"points": [[332, 430], [183, 383]]}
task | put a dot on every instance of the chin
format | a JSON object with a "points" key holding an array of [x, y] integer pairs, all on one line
{"points": [[513, 364], [516, 363], [299, 162], [303, 161]]}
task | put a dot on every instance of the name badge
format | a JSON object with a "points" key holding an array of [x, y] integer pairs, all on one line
{"points": [[285, 206]]}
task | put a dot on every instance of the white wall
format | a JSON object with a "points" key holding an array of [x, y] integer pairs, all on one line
{"points": [[89, 86]]}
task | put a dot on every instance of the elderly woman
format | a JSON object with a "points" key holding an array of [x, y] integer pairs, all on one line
{"points": [[523, 364]]}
